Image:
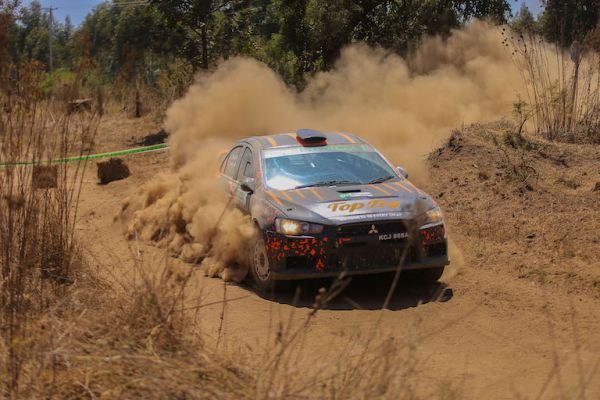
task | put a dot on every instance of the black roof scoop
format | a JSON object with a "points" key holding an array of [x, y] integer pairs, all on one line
{"points": [[311, 137]]}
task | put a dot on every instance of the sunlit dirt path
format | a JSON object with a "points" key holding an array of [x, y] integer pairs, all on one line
{"points": [[488, 335]]}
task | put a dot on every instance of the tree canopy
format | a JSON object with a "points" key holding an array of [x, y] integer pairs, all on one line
{"points": [[294, 37]]}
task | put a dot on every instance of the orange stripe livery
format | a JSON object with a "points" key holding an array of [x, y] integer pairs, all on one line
{"points": [[275, 198], [271, 140], [317, 195], [413, 186], [287, 196], [381, 190], [393, 189], [347, 137], [299, 193], [401, 186]]}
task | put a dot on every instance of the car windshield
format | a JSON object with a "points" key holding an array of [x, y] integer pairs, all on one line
{"points": [[298, 167]]}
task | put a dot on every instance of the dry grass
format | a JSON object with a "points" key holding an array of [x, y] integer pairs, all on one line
{"points": [[562, 86], [39, 256]]}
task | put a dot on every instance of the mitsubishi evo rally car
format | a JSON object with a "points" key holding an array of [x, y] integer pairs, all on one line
{"points": [[327, 203]]}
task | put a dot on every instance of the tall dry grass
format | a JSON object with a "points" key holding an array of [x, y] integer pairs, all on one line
{"points": [[562, 85], [39, 257]]}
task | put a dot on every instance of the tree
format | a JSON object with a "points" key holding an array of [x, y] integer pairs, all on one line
{"points": [[312, 32], [127, 42], [295, 37], [497, 11], [524, 22], [195, 19], [566, 21], [7, 29]]}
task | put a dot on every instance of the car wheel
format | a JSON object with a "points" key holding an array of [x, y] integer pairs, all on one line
{"points": [[259, 266], [261, 269], [426, 275]]}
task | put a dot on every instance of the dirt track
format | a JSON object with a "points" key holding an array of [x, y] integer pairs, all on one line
{"points": [[495, 333]]}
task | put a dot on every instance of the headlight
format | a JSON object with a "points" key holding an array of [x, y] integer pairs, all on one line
{"points": [[431, 217], [292, 227]]}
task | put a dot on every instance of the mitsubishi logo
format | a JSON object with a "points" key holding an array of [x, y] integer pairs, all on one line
{"points": [[373, 230]]}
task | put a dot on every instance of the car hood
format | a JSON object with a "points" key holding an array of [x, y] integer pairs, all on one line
{"points": [[398, 199]]}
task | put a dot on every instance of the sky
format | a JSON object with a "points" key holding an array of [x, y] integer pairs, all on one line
{"points": [[533, 5], [78, 9]]}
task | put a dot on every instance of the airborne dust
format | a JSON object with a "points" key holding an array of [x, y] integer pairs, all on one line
{"points": [[404, 108]]}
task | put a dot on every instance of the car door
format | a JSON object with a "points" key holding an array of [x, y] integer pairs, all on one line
{"points": [[229, 169], [245, 170]]}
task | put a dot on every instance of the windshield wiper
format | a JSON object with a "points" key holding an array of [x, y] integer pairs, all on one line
{"points": [[381, 180], [328, 183]]}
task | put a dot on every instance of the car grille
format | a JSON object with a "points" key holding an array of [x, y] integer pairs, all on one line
{"points": [[364, 259], [366, 228]]}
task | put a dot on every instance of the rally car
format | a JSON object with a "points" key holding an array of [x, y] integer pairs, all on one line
{"points": [[329, 203]]}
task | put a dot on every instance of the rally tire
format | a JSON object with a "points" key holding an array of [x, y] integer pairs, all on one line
{"points": [[260, 266], [261, 271]]}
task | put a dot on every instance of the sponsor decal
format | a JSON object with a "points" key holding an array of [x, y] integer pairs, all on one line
{"points": [[357, 194], [366, 217], [373, 230], [371, 205]]}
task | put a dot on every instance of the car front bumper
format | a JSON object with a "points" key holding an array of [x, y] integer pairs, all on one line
{"points": [[354, 251]]}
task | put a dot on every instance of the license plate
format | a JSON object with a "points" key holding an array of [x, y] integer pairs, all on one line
{"points": [[393, 236]]}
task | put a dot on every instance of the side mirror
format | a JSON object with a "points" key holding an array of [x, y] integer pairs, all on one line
{"points": [[248, 185], [402, 171]]}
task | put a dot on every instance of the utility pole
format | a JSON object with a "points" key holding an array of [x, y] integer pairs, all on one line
{"points": [[50, 37]]}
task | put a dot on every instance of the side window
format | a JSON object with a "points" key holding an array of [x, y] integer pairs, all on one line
{"points": [[246, 165], [232, 162]]}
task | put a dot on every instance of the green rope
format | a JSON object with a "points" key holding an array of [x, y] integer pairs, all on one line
{"points": [[146, 149]]}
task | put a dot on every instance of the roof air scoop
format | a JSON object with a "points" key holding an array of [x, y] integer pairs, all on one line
{"points": [[311, 137]]}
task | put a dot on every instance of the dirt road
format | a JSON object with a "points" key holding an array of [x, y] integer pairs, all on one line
{"points": [[482, 333]]}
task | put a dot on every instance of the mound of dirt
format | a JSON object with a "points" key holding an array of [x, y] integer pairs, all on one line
{"points": [[112, 170], [521, 205], [45, 176], [152, 138]]}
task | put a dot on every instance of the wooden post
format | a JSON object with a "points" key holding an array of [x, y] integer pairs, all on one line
{"points": [[138, 106]]}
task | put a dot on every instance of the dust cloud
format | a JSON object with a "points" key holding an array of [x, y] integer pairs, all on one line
{"points": [[185, 212], [404, 108]]}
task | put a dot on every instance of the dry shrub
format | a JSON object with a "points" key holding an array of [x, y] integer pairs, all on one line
{"points": [[135, 341], [124, 339], [562, 86], [39, 256]]}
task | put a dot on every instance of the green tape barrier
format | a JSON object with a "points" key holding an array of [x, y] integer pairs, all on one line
{"points": [[137, 150]]}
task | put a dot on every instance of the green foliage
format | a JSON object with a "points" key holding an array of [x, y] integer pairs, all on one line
{"points": [[294, 37], [198, 22], [566, 21], [524, 22], [315, 31], [125, 42], [56, 78], [31, 35]]}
